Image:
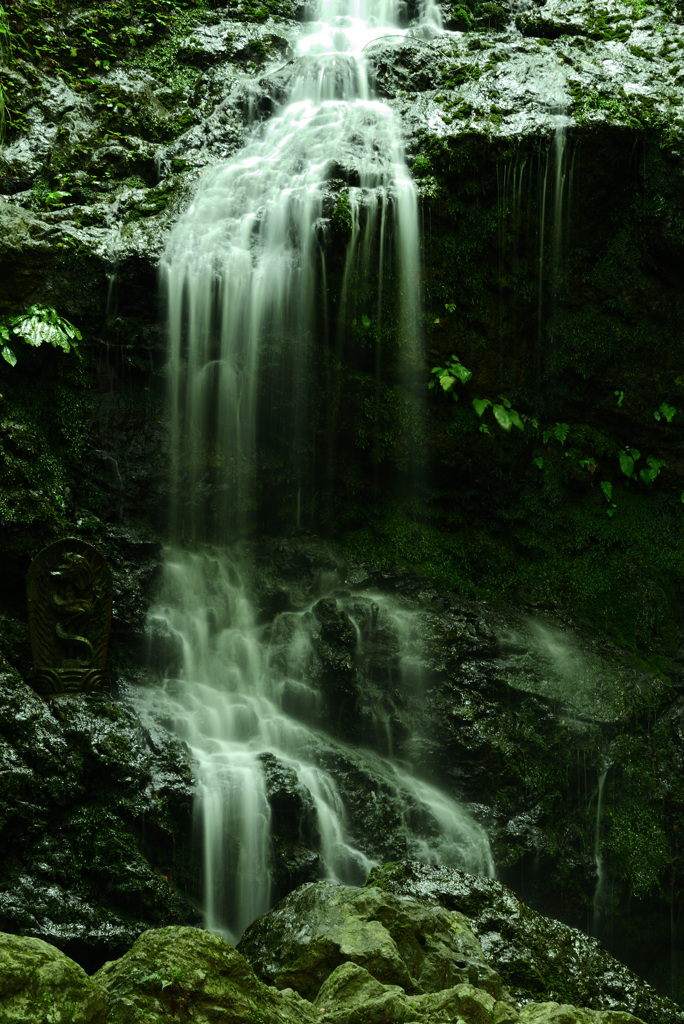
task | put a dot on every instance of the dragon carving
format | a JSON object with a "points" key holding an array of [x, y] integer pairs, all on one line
{"points": [[70, 604]]}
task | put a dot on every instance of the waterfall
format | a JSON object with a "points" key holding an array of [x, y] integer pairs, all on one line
{"points": [[243, 264], [242, 272]]}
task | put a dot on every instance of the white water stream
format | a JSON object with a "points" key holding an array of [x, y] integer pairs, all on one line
{"points": [[241, 272]]}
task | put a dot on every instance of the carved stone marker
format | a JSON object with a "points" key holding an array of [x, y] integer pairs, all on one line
{"points": [[70, 610]]}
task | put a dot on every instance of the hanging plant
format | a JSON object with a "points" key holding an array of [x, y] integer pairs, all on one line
{"points": [[37, 326]]}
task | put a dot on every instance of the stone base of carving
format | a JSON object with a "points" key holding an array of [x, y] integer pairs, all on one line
{"points": [[52, 682]]}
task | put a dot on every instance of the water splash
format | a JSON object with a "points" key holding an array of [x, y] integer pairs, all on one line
{"points": [[237, 690]]}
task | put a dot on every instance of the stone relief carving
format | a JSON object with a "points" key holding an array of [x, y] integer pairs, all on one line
{"points": [[69, 609]]}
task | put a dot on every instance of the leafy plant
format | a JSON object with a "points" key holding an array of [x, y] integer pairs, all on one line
{"points": [[559, 431], [665, 412], [39, 325], [607, 489], [620, 395], [56, 199], [5, 50], [174, 996], [651, 470], [504, 415], [446, 376], [627, 460]]}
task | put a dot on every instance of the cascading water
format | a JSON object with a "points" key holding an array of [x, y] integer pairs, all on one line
{"points": [[243, 271]]}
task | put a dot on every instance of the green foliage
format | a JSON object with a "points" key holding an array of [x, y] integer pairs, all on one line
{"points": [[454, 371], [559, 431], [341, 218], [652, 470], [627, 460], [504, 414], [634, 840], [72, 41], [5, 51], [648, 474], [607, 489], [39, 325], [666, 412], [447, 375], [173, 993]]}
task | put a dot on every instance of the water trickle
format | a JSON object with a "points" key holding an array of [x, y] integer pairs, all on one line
{"points": [[242, 272], [599, 890]]}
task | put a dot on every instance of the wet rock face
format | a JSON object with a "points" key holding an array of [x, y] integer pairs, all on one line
{"points": [[93, 812], [535, 956]]}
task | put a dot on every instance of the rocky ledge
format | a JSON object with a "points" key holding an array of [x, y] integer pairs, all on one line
{"points": [[342, 955]]}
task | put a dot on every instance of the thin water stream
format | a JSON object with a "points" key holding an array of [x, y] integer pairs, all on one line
{"points": [[241, 274]]}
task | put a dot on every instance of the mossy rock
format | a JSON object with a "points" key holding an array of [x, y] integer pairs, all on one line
{"points": [[399, 941], [192, 974], [39, 984], [536, 956]]}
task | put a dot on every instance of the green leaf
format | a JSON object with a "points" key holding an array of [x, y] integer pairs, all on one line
{"points": [[561, 431], [539, 462], [635, 453], [668, 411], [460, 371], [652, 470], [480, 404], [626, 463], [607, 489], [365, 320], [515, 419], [8, 355], [447, 381], [502, 417]]}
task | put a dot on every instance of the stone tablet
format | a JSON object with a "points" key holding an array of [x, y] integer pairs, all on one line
{"points": [[69, 609]]}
